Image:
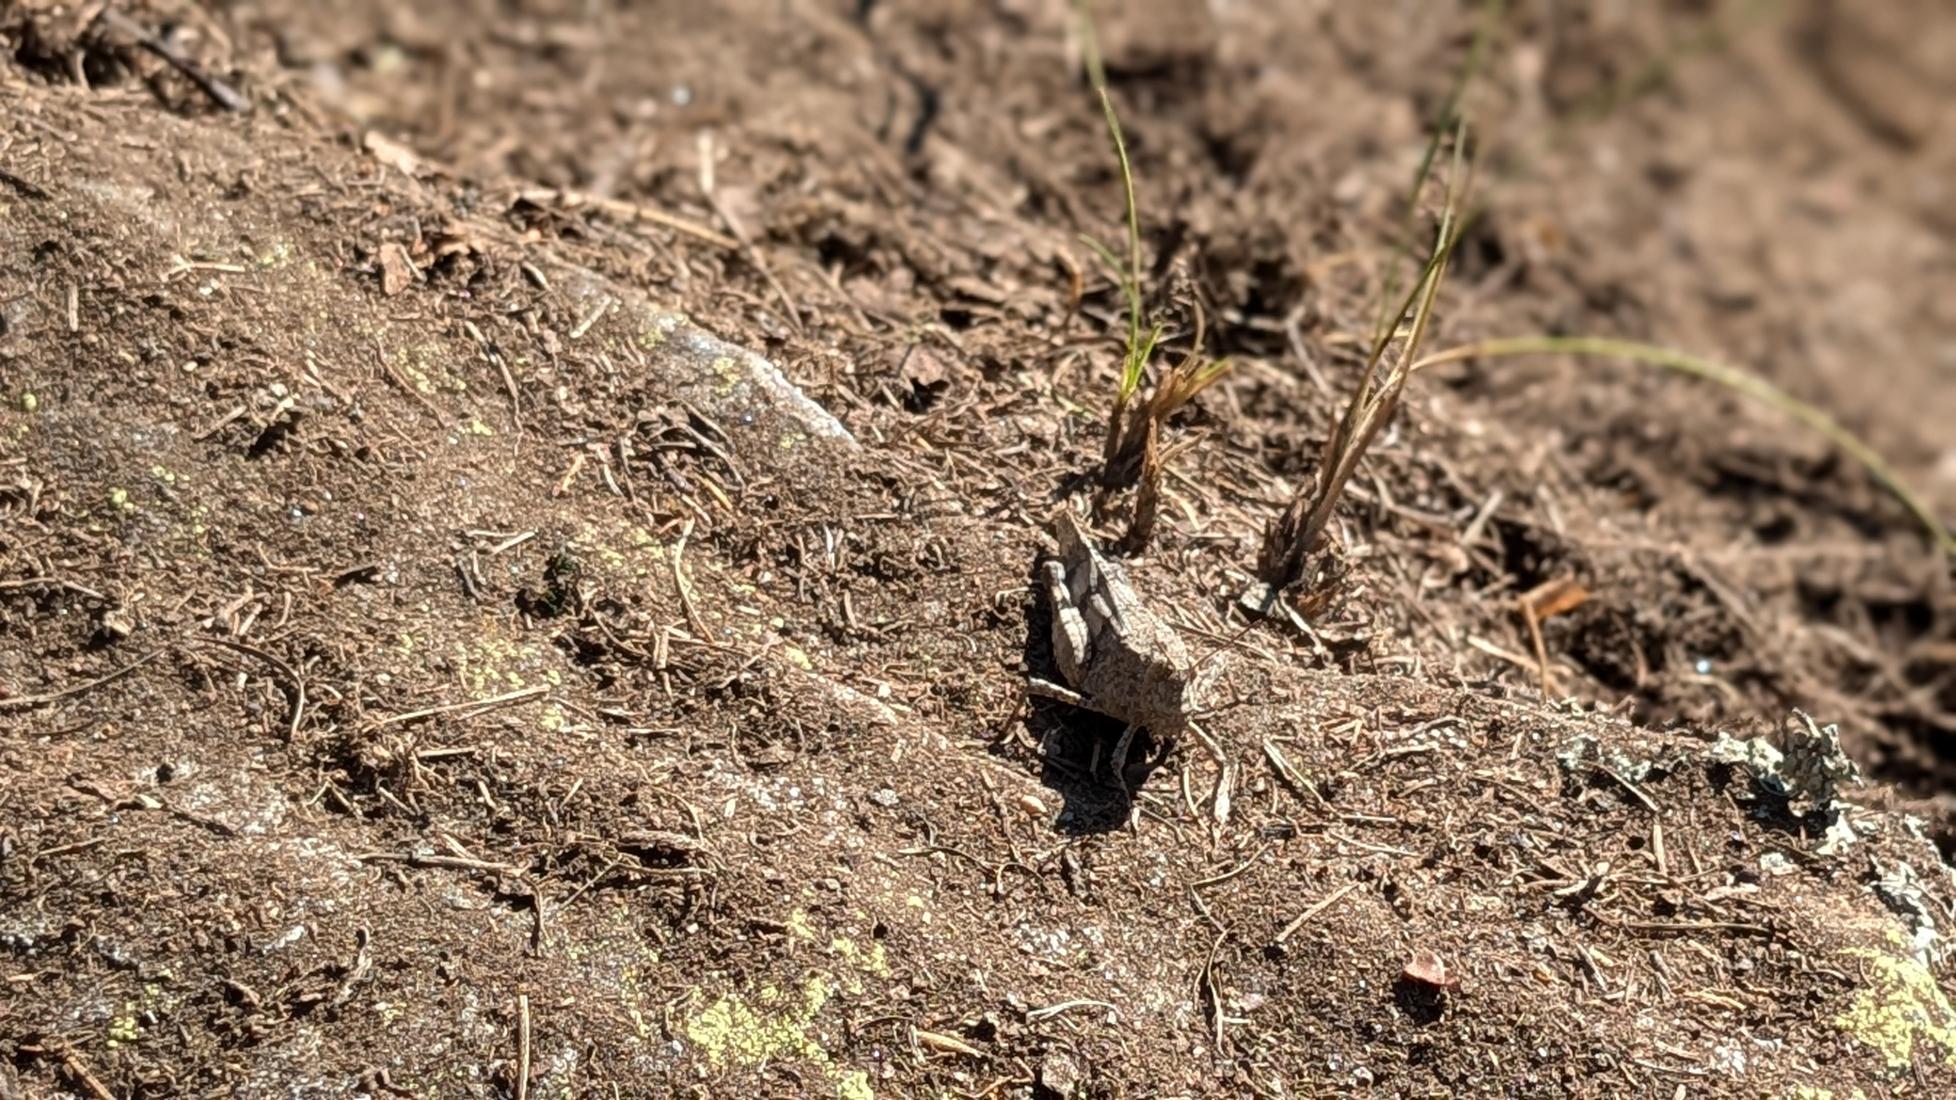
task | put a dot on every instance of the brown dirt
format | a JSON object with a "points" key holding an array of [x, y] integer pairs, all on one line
{"points": [[434, 665]]}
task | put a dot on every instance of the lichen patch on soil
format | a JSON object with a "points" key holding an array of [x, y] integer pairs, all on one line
{"points": [[518, 556]]}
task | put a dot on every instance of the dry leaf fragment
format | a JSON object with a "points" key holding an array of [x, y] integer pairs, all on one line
{"points": [[1556, 596], [1428, 968], [392, 153], [396, 269]]}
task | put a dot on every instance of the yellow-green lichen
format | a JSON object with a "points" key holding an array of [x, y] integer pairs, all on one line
{"points": [[854, 1085], [127, 1026], [799, 927], [1900, 1008], [632, 995], [773, 1023], [490, 661], [735, 1031], [731, 376], [654, 333], [873, 961]]}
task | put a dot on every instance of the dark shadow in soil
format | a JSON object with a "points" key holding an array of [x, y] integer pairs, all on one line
{"points": [[1422, 1003], [1078, 745], [1771, 809]]}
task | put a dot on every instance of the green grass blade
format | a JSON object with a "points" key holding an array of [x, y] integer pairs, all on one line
{"points": [[1445, 121], [1133, 281], [1134, 365], [1732, 378]]}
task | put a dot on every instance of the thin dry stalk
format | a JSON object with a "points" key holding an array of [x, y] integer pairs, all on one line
{"points": [[1147, 500], [1297, 532], [1177, 389]]}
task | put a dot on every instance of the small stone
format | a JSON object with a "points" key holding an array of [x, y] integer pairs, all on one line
{"points": [[1060, 1071], [885, 797], [116, 624]]}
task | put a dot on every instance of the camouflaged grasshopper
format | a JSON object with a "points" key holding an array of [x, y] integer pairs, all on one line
{"points": [[1116, 657]]}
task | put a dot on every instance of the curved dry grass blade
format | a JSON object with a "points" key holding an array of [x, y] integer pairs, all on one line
{"points": [[1732, 378]]}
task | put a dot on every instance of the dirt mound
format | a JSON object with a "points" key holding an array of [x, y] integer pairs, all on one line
{"points": [[517, 559]]}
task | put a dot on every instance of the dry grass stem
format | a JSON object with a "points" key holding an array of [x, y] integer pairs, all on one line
{"points": [[1299, 529]]}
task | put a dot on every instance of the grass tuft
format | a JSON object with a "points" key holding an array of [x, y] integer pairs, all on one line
{"points": [[1295, 534], [1134, 452], [1445, 121]]}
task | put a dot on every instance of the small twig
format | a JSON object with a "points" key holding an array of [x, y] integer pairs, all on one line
{"points": [[631, 211], [407, 387], [1313, 911], [1214, 988], [1693, 926], [477, 705], [1054, 1010], [1291, 775], [52, 582], [1478, 525], [298, 682], [950, 1043], [522, 1046], [1636, 791], [223, 94], [591, 318], [24, 186], [685, 587], [594, 880], [511, 542], [452, 863], [76, 1066], [1493, 650], [64, 849], [24, 702], [502, 367], [1218, 880], [1541, 649], [248, 996]]}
